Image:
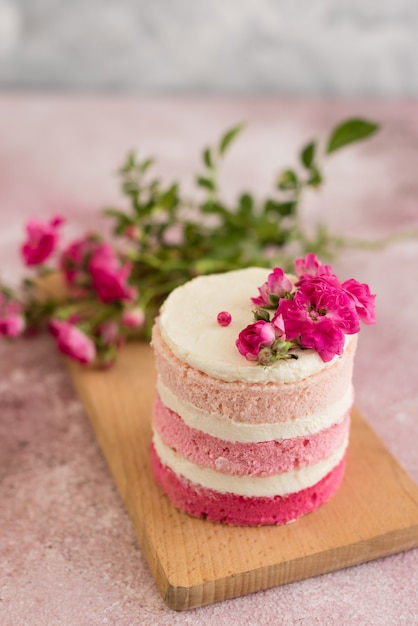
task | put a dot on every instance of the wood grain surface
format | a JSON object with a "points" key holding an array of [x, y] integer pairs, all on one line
{"points": [[196, 562]]}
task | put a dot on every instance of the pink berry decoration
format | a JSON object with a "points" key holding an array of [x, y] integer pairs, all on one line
{"points": [[224, 318]]}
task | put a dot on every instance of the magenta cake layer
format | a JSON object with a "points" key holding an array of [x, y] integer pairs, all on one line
{"points": [[254, 402], [232, 509], [251, 459]]}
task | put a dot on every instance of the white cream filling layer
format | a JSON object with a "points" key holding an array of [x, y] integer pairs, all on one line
{"points": [[248, 486], [189, 327], [228, 430]]}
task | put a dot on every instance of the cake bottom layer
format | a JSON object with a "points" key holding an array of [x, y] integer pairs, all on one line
{"points": [[238, 510]]}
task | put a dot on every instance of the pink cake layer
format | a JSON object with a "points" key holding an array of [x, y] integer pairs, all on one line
{"points": [[239, 510], [251, 459], [254, 402]]}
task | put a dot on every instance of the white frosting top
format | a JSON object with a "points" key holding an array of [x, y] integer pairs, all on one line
{"points": [[189, 326]]}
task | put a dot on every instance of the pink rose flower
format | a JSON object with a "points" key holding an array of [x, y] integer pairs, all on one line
{"points": [[322, 297], [133, 318], [73, 342], [42, 240], [294, 316], [324, 337], [311, 265], [276, 286], [362, 298], [318, 334], [319, 316], [254, 337], [278, 323], [110, 279], [74, 260], [12, 322]]}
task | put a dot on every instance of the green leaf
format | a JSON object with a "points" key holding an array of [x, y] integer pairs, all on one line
{"points": [[7, 292], [27, 283], [228, 138], [169, 198], [315, 178], [215, 209], [308, 154], [129, 163], [287, 180], [146, 164], [208, 158], [261, 314], [207, 183], [114, 213], [246, 205], [350, 131], [281, 208]]}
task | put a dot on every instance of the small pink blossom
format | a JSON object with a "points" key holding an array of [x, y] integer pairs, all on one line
{"points": [[133, 318], [12, 322], [12, 326], [108, 332], [224, 318], [276, 286], [132, 232], [362, 298], [174, 235], [73, 342], [109, 278], [258, 335], [42, 240]]}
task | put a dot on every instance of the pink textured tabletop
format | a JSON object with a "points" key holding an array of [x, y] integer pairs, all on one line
{"points": [[68, 552]]}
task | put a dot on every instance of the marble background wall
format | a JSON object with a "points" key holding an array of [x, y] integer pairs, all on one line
{"points": [[301, 47]]}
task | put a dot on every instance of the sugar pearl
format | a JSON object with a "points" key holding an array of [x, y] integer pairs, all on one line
{"points": [[224, 318]]}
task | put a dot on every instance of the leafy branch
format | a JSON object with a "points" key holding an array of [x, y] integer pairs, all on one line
{"points": [[174, 239]]}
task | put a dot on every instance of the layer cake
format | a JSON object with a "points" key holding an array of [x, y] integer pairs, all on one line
{"points": [[237, 439]]}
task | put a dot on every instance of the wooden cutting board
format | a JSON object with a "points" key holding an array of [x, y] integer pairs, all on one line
{"points": [[196, 562]]}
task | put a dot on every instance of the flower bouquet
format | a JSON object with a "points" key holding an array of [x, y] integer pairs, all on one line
{"points": [[113, 289], [315, 311]]}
